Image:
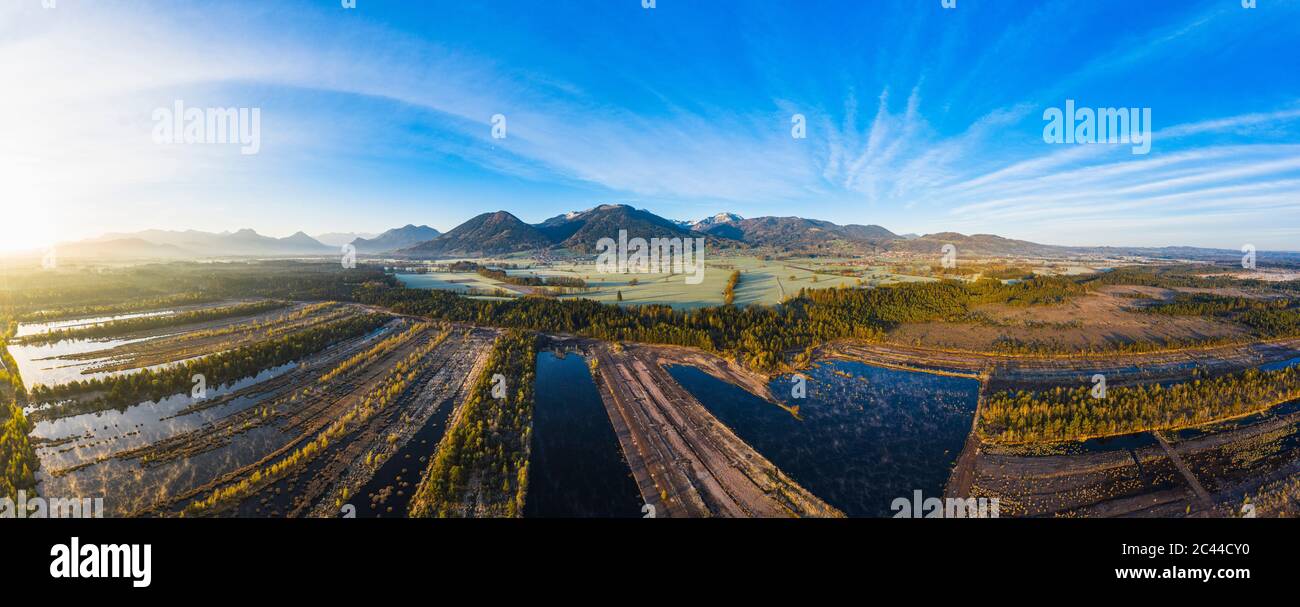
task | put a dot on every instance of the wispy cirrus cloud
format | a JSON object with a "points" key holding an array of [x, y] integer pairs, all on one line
{"points": [[358, 102]]}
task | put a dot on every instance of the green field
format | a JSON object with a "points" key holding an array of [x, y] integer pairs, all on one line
{"points": [[761, 282], [454, 281]]}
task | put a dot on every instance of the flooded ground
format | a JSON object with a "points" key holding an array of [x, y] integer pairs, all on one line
{"points": [[80, 454], [862, 436], [44, 364], [140, 455], [36, 328], [577, 467]]}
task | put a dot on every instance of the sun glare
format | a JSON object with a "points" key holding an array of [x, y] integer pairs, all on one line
{"points": [[28, 226]]}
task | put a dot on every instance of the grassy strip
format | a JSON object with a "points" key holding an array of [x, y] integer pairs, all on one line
{"points": [[131, 325], [131, 306], [481, 467], [217, 369], [1063, 414], [374, 352], [279, 324]]}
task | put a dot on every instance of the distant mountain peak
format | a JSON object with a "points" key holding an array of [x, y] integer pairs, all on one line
{"points": [[301, 239], [715, 220], [488, 233], [396, 239], [244, 242]]}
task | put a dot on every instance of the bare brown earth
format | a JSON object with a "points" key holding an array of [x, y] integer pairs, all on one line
{"points": [[1114, 483], [1097, 320], [1203, 476], [687, 463]]}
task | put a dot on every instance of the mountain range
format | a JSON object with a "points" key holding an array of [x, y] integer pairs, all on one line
{"points": [[194, 243], [579, 231], [338, 239], [795, 232], [501, 233], [396, 239]]}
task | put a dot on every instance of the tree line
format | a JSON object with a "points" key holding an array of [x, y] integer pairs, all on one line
{"points": [[729, 291], [143, 323], [1062, 414], [18, 461], [1269, 318], [569, 282], [121, 391], [481, 466], [42, 296], [1206, 304], [760, 336]]}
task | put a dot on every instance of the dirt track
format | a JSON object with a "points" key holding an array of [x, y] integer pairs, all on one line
{"points": [[686, 462]]}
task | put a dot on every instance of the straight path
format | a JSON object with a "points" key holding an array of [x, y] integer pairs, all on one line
{"points": [[1202, 495], [695, 465]]}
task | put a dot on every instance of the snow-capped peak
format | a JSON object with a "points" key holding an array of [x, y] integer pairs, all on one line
{"points": [[717, 219]]}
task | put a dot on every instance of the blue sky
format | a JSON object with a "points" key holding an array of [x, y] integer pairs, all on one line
{"points": [[919, 118]]}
